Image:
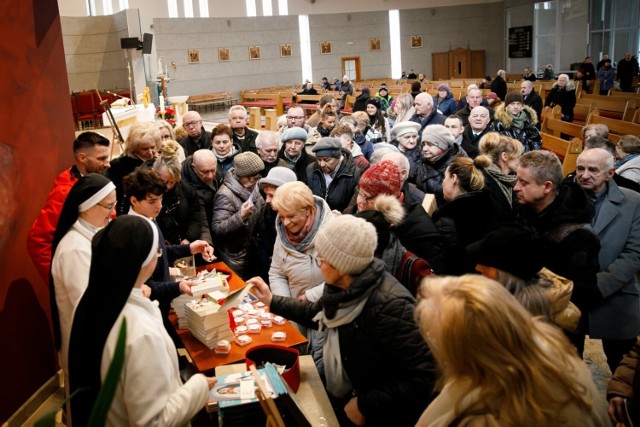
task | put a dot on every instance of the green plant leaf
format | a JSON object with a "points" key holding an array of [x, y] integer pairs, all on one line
{"points": [[108, 390]]}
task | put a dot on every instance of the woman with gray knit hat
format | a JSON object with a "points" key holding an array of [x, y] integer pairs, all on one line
{"points": [[236, 210], [367, 316], [518, 121], [438, 150]]}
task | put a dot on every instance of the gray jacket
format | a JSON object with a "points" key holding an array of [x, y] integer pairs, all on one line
{"points": [[232, 235], [618, 227]]}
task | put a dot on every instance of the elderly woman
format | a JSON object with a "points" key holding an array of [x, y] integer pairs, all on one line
{"points": [[150, 390], [548, 74], [333, 176], [167, 134], [462, 190], [403, 108], [88, 208], [518, 121], [405, 137], [236, 210], [499, 162], [628, 155], [141, 144], [181, 218], [224, 148], [367, 316], [444, 101], [487, 346], [438, 150], [563, 93]]}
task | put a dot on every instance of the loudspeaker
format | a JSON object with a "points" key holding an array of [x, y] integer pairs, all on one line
{"points": [[147, 41], [129, 43]]}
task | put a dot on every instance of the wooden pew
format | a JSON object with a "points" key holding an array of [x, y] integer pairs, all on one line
{"points": [[567, 151], [617, 127], [581, 112], [610, 106], [213, 100], [263, 100], [557, 127], [348, 105]]}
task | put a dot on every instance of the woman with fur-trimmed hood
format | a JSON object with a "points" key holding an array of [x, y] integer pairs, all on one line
{"points": [[563, 93], [518, 121]]}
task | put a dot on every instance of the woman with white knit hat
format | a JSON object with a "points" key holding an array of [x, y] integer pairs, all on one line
{"points": [[367, 316]]}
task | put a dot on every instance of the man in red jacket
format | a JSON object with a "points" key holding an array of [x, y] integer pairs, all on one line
{"points": [[91, 153]]}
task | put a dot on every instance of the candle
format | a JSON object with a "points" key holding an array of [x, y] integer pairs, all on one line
{"points": [[162, 103]]}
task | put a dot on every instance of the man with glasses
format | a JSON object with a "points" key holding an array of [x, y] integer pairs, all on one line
{"points": [[267, 144], [296, 118], [200, 171], [91, 155], [145, 189], [197, 138], [244, 137], [293, 153]]}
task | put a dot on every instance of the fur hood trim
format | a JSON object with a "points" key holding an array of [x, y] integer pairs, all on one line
{"points": [[570, 85], [503, 116], [390, 208]]}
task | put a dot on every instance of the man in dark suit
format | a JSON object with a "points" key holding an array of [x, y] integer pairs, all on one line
{"points": [[197, 138], [531, 98], [615, 318]]}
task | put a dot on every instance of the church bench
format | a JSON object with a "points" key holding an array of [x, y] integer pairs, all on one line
{"points": [[557, 127], [617, 127], [567, 151]]}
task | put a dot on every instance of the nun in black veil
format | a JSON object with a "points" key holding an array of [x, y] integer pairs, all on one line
{"points": [[124, 255]]}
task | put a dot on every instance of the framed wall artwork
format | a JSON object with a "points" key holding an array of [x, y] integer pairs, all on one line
{"points": [[254, 52], [374, 43], [223, 54], [416, 42], [194, 56], [325, 48], [285, 50]]}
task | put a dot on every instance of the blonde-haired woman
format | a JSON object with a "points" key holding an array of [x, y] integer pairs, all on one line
{"points": [[403, 108], [500, 366], [499, 156], [167, 134], [466, 215], [140, 147]]}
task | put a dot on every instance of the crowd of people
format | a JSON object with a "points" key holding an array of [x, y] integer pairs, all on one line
{"points": [[474, 313]]}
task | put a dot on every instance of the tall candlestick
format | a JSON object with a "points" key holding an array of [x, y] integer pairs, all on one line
{"points": [[161, 103]]}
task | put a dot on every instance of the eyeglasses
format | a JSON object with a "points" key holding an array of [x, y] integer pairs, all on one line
{"points": [[159, 253], [192, 124], [364, 196], [319, 261], [107, 207]]}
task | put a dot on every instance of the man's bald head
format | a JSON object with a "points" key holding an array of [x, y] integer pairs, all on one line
{"points": [[205, 165], [401, 161]]}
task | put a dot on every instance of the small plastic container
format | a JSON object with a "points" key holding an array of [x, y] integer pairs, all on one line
{"points": [[255, 328], [279, 320], [243, 340], [279, 336], [223, 347]]}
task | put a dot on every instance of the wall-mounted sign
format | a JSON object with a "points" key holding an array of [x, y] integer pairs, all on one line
{"points": [[520, 42]]}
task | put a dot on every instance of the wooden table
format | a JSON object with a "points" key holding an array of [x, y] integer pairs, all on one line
{"points": [[312, 397], [206, 360]]}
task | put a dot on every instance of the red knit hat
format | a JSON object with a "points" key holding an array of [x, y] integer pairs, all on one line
{"points": [[381, 178]]}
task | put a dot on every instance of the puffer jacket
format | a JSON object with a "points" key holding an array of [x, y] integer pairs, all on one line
{"points": [[293, 269], [428, 176], [233, 235], [565, 97], [40, 237], [384, 334], [447, 106], [625, 382], [528, 135], [341, 190]]}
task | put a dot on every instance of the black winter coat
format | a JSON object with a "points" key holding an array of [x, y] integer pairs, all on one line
{"points": [[573, 246], [470, 143], [418, 234], [428, 176], [249, 141], [566, 98], [462, 221], [529, 135], [205, 192], [181, 215], [190, 146], [384, 335], [499, 87], [343, 186]]}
